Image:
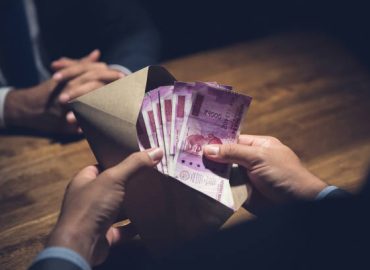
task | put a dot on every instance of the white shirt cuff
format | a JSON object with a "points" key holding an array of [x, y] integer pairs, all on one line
{"points": [[3, 92], [64, 254], [323, 193], [123, 69]]}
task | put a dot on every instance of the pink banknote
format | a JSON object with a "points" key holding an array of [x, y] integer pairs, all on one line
{"points": [[216, 85], [156, 107], [165, 97], [149, 122], [183, 93], [215, 118], [183, 100], [142, 134]]}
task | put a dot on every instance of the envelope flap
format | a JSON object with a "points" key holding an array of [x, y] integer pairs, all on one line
{"points": [[115, 97], [120, 103]]}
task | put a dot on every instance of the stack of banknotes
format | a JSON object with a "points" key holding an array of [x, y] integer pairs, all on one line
{"points": [[181, 119]]}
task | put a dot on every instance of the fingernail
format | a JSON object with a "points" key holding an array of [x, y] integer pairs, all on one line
{"points": [[57, 76], [156, 154], [70, 118], [121, 75], [63, 98], [212, 150]]}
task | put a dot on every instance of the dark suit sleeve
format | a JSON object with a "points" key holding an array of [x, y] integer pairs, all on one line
{"points": [[126, 34], [326, 234], [54, 264]]}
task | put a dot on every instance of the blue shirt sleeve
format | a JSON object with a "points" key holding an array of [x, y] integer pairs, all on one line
{"points": [[64, 254], [325, 192]]}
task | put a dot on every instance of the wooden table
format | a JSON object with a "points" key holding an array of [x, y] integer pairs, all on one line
{"points": [[308, 91]]}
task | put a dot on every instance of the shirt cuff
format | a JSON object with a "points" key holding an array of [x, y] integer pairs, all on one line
{"points": [[325, 192], [123, 69], [64, 254], [3, 92]]}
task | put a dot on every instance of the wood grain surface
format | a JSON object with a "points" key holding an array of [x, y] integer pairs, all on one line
{"points": [[307, 90]]}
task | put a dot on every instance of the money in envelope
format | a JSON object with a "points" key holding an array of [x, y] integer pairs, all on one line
{"points": [[181, 119], [187, 195]]}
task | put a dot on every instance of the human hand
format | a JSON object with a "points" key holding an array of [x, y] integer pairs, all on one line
{"points": [[82, 75], [64, 62], [92, 203], [273, 168], [35, 108], [38, 109]]}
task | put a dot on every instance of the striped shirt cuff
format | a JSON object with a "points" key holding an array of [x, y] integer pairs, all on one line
{"points": [[3, 92], [64, 254], [325, 192], [123, 69]]}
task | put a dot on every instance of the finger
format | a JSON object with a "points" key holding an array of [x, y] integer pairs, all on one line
{"points": [[69, 72], [71, 118], [121, 172], [70, 94], [72, 128], [62, 63], [118, 235], [76, 70], [65, 61], [231, 153], [256, 140], [105, 76], [92, 57], [85, 176], [247, 139]]}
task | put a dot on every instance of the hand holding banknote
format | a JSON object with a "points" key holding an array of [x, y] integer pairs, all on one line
{"points": [[273, 168], [183, 117]]}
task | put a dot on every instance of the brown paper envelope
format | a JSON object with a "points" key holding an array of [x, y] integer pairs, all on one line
{"points": [[166, 212]]}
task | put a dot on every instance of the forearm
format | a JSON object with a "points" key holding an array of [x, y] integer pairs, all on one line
{"points": [[15, 111]]}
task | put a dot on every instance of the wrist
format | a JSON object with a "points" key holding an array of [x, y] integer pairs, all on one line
{"points": [[73, 238], [310, 186], [21, 106], [12, 109]]}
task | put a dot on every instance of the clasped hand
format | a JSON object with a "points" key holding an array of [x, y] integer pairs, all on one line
{"points": [[38, 108]]}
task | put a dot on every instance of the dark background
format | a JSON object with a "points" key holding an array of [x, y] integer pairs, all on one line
{"points": [[195, 25]]}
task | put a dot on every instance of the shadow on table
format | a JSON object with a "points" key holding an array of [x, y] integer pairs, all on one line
{"points": [[63, 139]]}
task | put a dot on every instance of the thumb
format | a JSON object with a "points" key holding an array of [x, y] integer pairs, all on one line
{"points": [[85, 176], [121, 172], [232, 153], [92, 57]]}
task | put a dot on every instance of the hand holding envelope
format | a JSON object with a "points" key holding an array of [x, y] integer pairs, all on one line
{"points": [[179, 200]]}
